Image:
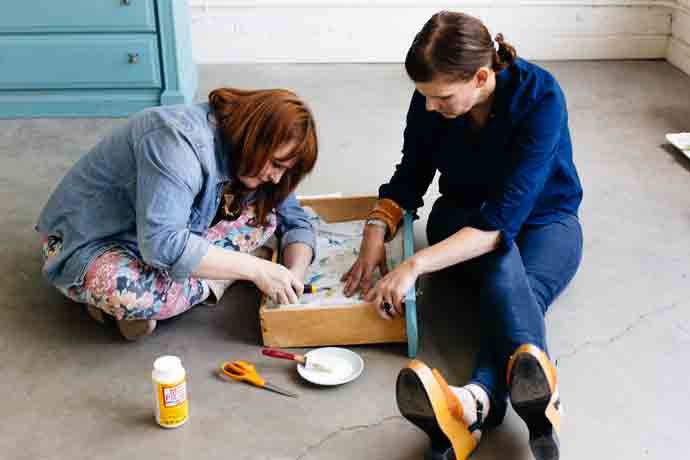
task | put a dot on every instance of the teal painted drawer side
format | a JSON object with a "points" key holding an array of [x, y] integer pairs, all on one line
{"points": [[40, 16], [79, 61]]}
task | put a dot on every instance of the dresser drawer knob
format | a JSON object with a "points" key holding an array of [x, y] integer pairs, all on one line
{"points": [[133, 58], [126, 2]]}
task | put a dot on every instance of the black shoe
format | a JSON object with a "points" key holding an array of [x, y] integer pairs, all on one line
{"points": [[534, 396]]}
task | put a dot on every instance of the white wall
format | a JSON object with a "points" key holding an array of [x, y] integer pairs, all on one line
{"points": [[679, 43], [381, 30]]}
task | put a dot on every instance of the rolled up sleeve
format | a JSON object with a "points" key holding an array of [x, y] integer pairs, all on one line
{"points": [[169, 177], [531, 164], [294, 225]]}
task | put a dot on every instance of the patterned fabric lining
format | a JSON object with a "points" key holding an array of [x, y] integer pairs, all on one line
{"points": [[337, 249]]}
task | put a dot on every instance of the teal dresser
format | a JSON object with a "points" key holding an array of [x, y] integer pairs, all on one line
{"points": [[74, 58]]}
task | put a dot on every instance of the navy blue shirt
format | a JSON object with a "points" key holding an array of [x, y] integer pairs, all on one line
{"points": [[517, 169]]}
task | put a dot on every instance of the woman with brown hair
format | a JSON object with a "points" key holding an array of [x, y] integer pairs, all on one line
{"points": [[164, 213], [496, 128]]}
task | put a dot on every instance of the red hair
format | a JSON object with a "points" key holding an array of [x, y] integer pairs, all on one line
{"points": [[256, 123]]}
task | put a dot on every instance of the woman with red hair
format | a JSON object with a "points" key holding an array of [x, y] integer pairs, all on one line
{"points": [[165, 212]]}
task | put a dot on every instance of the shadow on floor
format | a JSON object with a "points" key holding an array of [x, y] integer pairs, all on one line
{"points": [[677, 156]]}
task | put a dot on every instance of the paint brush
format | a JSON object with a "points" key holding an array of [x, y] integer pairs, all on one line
{"points": [[312, 289], [307, 362]]}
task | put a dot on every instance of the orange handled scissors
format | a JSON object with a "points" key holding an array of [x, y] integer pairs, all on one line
{"points": [[242, 371]]}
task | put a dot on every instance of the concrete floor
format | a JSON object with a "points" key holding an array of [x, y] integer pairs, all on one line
{"points": [[71, 389]]}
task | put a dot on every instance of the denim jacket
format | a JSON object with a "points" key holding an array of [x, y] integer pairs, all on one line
{"points": [[152, 187]]}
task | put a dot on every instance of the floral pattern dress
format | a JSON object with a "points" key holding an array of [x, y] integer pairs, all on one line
{"points": [[125, 287]]}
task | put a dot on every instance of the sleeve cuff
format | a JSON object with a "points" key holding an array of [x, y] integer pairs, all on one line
{"points": [[389, 212], [194, 251], [300, 235], [484, 221]]}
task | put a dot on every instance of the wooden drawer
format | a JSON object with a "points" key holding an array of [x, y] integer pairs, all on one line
{"points": [[351, 324], [40, 16], [79, 61]]}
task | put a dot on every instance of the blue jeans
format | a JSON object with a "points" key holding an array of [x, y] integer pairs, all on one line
{"points": [[516, 287]]}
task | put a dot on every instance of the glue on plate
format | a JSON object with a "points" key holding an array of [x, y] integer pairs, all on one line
{"points": [[338, 368], [345, 366]]}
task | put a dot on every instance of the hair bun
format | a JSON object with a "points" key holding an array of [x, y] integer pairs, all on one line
{"points": [[505, 53], [454, 45]]}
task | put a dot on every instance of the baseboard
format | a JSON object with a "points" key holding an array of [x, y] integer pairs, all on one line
{"points": [[381, 30], [679, 55]]}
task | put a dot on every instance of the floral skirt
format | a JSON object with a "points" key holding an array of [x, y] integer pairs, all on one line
{"points": [[123, 286]]}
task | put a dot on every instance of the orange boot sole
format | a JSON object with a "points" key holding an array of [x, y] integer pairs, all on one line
{"points": [[425, 399], [532, 381]]}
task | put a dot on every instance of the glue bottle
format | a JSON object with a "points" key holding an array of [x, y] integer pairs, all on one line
{"points": [[170, 404]]}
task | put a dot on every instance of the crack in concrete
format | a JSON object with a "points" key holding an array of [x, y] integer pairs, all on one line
{"points": [[620, 335], [345, 429]]}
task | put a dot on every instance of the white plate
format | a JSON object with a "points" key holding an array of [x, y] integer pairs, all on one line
{"points": [[681, 141], [346, 366]]}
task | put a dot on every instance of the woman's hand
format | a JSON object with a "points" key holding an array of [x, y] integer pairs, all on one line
{"points": [[372, 253], [391, 289], [297, 257], [277, 282]]}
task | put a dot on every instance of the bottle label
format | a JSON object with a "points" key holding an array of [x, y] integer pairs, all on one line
{"points": [[174, 396], [173, 406]]}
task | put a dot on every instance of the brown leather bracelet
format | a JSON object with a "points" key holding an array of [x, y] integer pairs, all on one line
{"points": [[389, 212]]}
